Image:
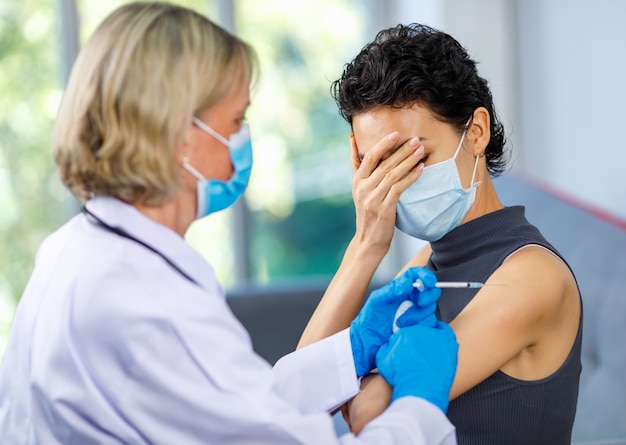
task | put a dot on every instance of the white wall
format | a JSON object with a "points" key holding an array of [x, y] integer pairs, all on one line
{"points": [[573, 74]]}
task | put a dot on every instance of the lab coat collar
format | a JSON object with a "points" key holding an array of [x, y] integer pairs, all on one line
{"points": [[116, 213]]}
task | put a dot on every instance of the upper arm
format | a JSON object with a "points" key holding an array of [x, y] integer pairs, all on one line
{"points": [[507, 322]]}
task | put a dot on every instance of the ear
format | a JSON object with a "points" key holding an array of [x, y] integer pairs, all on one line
{"points": [[355, 162], [479, 133]]}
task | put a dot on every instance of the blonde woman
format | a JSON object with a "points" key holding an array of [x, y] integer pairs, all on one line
{"points": [[123, 334]]}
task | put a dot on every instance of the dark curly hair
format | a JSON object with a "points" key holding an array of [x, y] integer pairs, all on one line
{"points": [[416, 64]]}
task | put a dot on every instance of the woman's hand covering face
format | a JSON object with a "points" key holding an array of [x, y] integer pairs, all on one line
{"points": [[380, 175]]}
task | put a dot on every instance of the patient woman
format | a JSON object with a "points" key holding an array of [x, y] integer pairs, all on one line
{"points": [[426, 141]]}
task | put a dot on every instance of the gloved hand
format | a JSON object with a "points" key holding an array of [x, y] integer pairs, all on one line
{"points": [[420, 361], [372, 327], [420, 311]]}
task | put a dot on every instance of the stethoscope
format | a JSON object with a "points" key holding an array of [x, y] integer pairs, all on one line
{"points": [[121, 232]]}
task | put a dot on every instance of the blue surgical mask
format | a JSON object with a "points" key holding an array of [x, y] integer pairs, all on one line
{"points": [[215, 195], [436, 202]]}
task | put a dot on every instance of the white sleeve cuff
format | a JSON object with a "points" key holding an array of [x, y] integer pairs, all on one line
{"points": [[412, 420], [319, 377]]}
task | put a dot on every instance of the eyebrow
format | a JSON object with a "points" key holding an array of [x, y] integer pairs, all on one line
{"points": [[361, 155]]}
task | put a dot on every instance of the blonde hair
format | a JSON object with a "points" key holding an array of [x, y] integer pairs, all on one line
{"points": [[147, 69]]}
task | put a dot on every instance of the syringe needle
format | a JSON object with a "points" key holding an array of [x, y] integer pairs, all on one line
{"points": [[458, 284], [419, 285]]}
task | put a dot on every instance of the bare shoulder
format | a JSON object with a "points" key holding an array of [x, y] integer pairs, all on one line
{"points": [[540, 275]]}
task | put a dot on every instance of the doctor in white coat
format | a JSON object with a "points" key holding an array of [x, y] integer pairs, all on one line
{"points": [[123, 334]]}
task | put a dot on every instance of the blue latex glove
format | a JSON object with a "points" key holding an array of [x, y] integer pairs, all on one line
{"points": [[423, 308], [372, 327], [420, 361]]}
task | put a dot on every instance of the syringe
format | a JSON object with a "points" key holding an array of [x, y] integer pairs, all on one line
{"points": [[419, 285]]}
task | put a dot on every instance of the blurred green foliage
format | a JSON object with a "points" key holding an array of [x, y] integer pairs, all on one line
{"points": [[300, 192], [32, 200]]}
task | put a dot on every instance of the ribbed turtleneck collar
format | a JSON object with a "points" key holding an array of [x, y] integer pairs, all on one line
{"points": [[467, 240]]}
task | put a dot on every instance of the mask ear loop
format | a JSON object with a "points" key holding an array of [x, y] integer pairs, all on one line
{"points": [[210, 131], [187, 166], [459, 149], [474, 173], [477, 156]]}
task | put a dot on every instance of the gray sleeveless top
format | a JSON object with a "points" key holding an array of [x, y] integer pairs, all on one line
{"points": [[501, 409]]}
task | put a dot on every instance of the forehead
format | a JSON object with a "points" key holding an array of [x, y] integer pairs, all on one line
{"points": [[371, 126]]}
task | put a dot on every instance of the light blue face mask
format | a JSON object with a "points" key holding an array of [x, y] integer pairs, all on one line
{"points": [[215, 195], [436, 203]]}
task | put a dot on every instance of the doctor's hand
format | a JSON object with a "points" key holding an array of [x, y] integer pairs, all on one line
{"points": [[373, 325], [420, 310], [420, 361], [379, 178]]}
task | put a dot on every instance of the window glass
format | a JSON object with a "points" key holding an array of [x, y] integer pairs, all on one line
{"points": [[302, 215]]}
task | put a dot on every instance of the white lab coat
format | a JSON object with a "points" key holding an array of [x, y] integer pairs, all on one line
{"points": [[111, 345]]}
